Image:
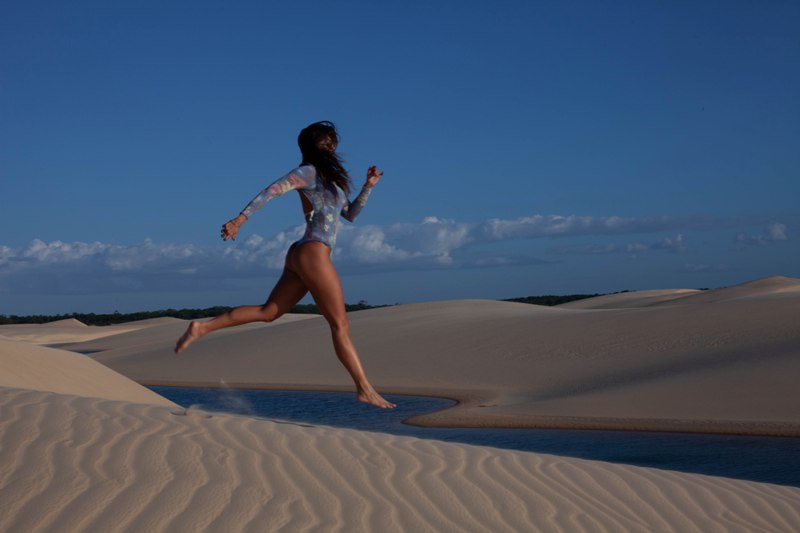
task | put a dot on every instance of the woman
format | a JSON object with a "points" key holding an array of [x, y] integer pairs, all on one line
{"points": [[324, 187]]}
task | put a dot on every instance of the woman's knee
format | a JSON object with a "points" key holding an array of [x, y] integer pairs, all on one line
{"points": [[339, 324], [269, 312]]}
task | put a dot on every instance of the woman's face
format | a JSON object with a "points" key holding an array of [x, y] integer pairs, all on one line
{"points": [[328, 144]]}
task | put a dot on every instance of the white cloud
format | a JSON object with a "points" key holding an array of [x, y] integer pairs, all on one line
{"points": [[702, 267], [777, 232], [432, 243], [59, 252], [369, 245], [556, 225], [772, 233], [669, 244], [676, 244]]}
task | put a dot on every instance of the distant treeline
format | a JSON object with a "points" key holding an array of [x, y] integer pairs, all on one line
{"points": [[95, 319], [551, 299]]}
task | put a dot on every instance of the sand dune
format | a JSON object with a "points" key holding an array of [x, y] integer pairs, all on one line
{"points": [[68, 331], [28, 366], [66, 322], [771, 287], [72, 463], [722, 360], [761, 288], [83, 448], [628, 300]]}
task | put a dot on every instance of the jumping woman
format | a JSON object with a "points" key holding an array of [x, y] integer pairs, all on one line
{"points": [[324, 188]]}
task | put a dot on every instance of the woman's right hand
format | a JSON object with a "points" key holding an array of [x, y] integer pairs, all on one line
{"points": [[373, 176], [231, 228]]}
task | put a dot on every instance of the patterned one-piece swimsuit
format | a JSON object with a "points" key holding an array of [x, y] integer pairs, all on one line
{"points": [[328, 202]]}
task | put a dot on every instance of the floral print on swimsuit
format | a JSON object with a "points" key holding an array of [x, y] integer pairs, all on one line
{"points": [[328, 202]]}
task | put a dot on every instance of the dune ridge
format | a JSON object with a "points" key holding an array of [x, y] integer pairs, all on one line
{"points": [[84, 448], [75, 463], [66, 331], [34, 367], [721, 361], [770, 286]]}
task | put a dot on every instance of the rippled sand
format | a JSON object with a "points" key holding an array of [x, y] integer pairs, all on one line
{"points": [[84, 448], [75, 463]]}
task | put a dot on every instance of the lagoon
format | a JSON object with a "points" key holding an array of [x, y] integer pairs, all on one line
{"points": [[766, 459]]}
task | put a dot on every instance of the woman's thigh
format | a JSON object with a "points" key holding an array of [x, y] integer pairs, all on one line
{"points": [[286, 293], [311, 262]]}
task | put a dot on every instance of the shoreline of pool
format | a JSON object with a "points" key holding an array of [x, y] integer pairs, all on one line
{"points": [[437, 419], [756, 458]]}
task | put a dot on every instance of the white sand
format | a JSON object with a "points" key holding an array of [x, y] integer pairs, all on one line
{"points": [[72, 463], [71, 330], [84, 449], [27, 366], [725, 360]]}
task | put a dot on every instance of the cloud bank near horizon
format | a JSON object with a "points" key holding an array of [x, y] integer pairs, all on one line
{"points": [[772, 233], [434, 243]]}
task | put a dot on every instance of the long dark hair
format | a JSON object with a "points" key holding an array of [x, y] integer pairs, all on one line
{"points": [[318, 142]]}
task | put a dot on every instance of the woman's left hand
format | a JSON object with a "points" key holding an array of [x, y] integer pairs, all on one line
{"points": [[373, 176], [231, 227], [229, 230]]}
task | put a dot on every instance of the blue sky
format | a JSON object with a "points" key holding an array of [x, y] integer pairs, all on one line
{"points": [[528, 147]]}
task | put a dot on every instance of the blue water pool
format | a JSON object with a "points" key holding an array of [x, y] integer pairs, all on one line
{"points": [[766, 459]]}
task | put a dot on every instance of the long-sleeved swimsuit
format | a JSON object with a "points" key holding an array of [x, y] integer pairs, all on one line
{"points": [[327, 201]]}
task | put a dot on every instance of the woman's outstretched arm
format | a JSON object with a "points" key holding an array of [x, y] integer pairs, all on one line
{"points": [[299, 178], [352, 209]]}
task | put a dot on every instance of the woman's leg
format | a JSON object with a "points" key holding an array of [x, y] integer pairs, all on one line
{"points": [[312, 263], [287, 292]]}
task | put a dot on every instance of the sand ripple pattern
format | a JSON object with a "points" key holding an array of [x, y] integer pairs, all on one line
{"points": [[72, 463]]}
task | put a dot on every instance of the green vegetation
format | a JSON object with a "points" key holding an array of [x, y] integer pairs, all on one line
{"points": [[551, 299], [94, 319]]}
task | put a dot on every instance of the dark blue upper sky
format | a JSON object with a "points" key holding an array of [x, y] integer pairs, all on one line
{"points": [[528, 147]]}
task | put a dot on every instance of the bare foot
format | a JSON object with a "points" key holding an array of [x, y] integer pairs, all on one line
{"points": [[192, 333], [372, 397]]}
